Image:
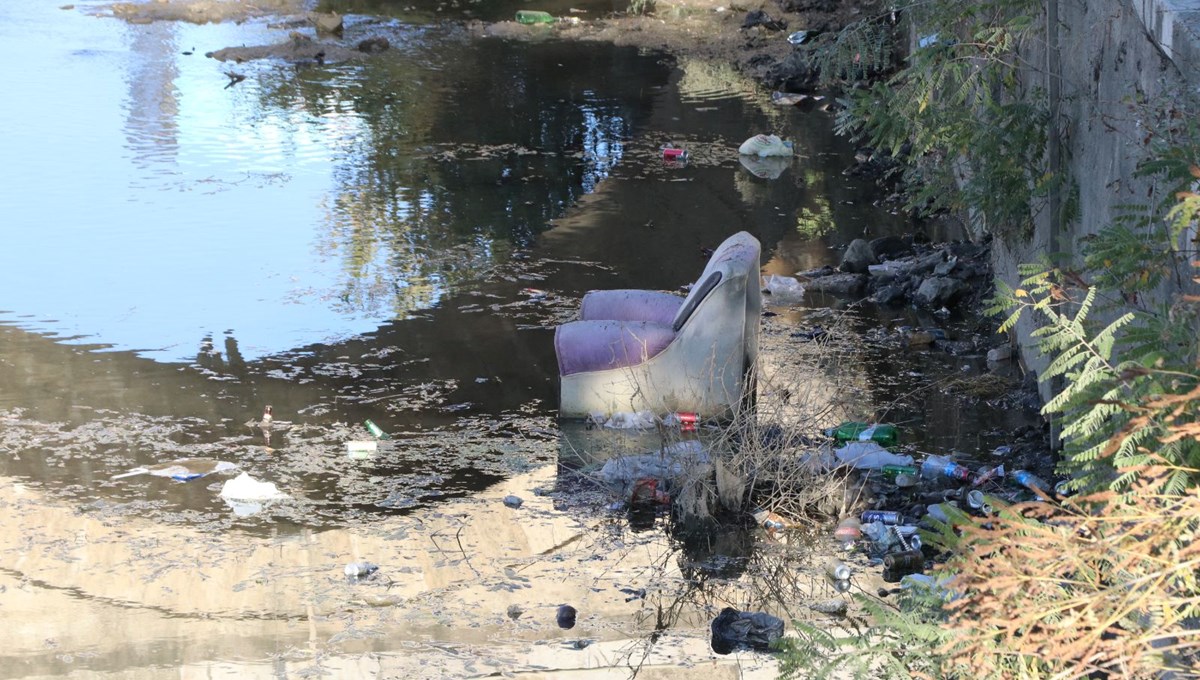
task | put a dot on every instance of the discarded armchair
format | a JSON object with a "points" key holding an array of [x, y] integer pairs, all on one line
{"points": [[636, 350]]}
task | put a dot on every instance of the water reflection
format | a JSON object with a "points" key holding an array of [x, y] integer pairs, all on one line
{"points": [[152, 106]]}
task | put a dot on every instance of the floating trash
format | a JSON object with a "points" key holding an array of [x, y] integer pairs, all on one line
{"points": [[182, 470]]}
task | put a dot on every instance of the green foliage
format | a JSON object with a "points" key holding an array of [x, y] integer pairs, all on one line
{"points": [[906, 639], [1113, 372], [961, 111], [643, 7], [861, 51], [1107, 370]]}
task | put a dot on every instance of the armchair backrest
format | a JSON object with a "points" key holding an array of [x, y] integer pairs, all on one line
{"points": [[735, 263]]}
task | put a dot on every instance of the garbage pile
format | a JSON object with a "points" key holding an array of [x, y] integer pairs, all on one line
{"points": [[913, 501]]}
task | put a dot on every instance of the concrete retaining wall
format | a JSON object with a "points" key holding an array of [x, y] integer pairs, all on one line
{"points": [[1113, 54]]}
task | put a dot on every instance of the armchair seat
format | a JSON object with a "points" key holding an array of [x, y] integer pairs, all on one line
{"points": [[636, 350], [584, 346]]}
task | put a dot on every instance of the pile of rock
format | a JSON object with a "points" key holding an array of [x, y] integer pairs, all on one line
{"points": [[894, 270]]}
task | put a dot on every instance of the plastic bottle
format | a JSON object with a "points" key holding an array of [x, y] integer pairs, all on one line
{"points": [[1030, 481], [938, 512], [884, 435], [941, 466], [375, 430], [528, 16]]}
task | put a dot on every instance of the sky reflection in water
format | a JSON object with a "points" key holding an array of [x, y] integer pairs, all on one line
{"points": [[149, 206]]}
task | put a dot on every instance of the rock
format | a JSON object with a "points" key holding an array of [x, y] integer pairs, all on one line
{"points": [[799, 6], [857, 257], [513, 501], [967, 251], [887, 295], [298, 48], [839, 284], [956, 347], [373, 45], [514, 611], [918, 338], [927, 263], [1001, 353], [760, 18], [946, 267], [566, 617], [890, 248], [793, 74], [939, 291], [833, 607], [810, 274], [326, 23]]}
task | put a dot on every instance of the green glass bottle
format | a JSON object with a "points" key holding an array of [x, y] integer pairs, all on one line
{"points": [[884, 435], [529, 16], [893, 471], [375, 430]]}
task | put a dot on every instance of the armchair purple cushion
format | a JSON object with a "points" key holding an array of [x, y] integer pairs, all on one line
{"points": [[630, 305], [584, 346]]}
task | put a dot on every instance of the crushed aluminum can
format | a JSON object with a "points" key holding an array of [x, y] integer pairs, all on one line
{"points": [[673, 154]]}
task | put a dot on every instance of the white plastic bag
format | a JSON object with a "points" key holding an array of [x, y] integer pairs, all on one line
{"points": [[246, 488], [869, 456], [765, 145], [629, 420], [783, 289]]}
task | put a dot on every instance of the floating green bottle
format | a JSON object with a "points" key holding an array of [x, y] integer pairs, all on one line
{"points": [[852, 431], [375, 430], [529, 16]]}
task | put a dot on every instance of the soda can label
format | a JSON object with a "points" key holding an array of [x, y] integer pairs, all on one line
{"points": [[881, 516], [675, 154]]}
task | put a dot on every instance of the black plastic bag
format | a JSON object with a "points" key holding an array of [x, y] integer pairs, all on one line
{"points": [[732, 629]]}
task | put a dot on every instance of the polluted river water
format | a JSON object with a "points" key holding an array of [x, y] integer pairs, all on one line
{"points": [[392, 239]]}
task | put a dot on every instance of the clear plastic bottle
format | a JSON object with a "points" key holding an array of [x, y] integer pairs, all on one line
{"points": [[1031, 481], [941, 466]]}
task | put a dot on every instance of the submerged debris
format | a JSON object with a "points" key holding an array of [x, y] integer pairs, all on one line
{"points": [[357, 571], [733, 629]]}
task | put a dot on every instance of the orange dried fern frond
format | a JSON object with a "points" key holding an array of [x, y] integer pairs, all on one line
{"points": [[1101, 583]]}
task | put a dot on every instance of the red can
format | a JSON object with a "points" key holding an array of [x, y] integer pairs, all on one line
{"points": [[675, 154]]}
